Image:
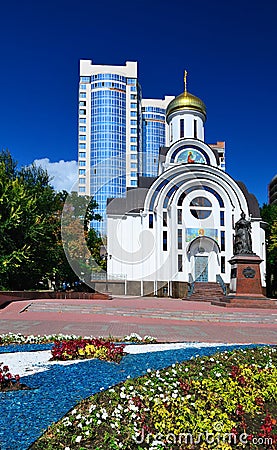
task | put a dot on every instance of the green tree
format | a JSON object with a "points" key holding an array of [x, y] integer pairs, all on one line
{"points": [[29, 225], [31, 245], [81, 243], [269, 215]]}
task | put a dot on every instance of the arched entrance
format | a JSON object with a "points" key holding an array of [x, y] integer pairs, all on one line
{"points": [[204, 260]]}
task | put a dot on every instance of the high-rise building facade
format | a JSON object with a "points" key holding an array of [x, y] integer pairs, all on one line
{"points": [[272, 191], [108, 135], [154, 134], [119, 134]]}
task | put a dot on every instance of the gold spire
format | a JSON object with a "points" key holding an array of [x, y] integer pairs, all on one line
{"points": [[185, 80]]}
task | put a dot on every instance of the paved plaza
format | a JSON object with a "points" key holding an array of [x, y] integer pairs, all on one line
{"points": [[169, 320]]}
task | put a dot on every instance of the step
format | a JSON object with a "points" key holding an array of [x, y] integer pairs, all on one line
{"points": [[247, 303], [206, 292]]}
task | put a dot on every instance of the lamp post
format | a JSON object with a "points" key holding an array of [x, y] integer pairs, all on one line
{"points": [[105, 256]]}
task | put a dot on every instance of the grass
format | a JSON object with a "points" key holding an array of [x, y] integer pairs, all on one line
{"points": [[222, 402]]}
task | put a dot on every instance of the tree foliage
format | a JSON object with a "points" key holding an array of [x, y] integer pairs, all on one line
{"points": [[81, 243], [269, 215], [31, 248]]}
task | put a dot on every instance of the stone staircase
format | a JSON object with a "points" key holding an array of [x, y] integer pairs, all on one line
{"points": [[206, 292]]}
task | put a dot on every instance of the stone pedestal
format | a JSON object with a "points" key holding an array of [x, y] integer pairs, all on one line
{"points": [[246, 276], [245, 285]]}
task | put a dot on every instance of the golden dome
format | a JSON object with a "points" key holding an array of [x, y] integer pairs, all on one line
{"points": [[186, 101]]}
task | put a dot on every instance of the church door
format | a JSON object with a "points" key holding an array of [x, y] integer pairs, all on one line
{"points": [[201, 268]]}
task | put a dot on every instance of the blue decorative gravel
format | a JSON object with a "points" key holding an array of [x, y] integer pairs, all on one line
{"points": [[12, 348], [25, 415]]}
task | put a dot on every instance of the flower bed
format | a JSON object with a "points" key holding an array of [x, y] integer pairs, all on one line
{"points": [[9, 382], [87, 348], [55, 392], [18, 338], [221, 402]]}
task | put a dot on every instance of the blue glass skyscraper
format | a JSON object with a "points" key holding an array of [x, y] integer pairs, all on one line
{"points": [[119, 134], [154, 131]]}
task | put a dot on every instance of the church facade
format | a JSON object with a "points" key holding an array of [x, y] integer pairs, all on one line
{"points": [[178, 227]]}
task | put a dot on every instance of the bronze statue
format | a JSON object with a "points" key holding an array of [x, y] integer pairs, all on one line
{"points": [[243, 241]]}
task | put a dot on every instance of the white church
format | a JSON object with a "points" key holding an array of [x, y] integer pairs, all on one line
{"points": [[178, 228]]}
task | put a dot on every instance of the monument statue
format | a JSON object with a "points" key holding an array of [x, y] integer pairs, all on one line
{"points": [[243, 241]]}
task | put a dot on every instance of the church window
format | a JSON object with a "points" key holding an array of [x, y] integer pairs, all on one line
{"points": [[179, 216], [200, 201], [164, 218], [171, 132], [200, 207], [200, 213], [222, 264], [150, 220], [180, 263], [179, 239], [222, 241], [195, 128], [182, 128], [222, 221], [164, 241]]}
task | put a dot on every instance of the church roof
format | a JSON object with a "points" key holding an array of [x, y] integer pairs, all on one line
{"points": [[252, 202], [186, 101]]}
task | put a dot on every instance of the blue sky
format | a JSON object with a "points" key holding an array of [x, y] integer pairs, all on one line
{"points": [[228, 48]]}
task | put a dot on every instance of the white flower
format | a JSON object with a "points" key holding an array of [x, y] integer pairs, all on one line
{"points": [[122, 395], [78, 439], [67, 448]]}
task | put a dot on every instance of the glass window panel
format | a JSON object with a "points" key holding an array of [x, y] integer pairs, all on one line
{"points": [[165, 241], [182, 128], [200, 213], [180, 263], [179, 239], [222, 241], [200, 201]]}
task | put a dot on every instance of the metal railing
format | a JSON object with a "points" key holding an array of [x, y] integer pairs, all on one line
{"points": [[190, 285], [223, 286], [101, 276]]}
